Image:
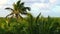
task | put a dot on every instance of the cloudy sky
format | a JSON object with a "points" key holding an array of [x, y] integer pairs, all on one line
{"points": [[46, 7]]}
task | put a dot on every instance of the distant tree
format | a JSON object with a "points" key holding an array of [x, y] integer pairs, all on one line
{"points": [[18, 8]]}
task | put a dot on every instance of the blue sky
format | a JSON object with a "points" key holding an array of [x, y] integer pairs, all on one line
{"points": [[46, 7]]}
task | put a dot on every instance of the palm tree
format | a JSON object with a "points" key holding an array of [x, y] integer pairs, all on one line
{"points": [[18, 9]]}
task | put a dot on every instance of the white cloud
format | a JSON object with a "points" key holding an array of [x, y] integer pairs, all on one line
{"points": [[3, 1], [42, 6], [32, 0], [56, 9], [36, 7], [3, 13], [52, 1], [42, 1]]}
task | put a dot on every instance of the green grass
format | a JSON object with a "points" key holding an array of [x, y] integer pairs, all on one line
{"points": [[30, 25]]}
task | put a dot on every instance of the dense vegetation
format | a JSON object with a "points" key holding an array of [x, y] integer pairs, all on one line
{"points": [[30, 25], [16, 24]]}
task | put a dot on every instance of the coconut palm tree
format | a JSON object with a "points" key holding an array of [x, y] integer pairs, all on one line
{"points": [[18, 9]]}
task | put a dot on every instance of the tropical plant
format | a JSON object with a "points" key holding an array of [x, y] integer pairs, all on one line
{"points": [[18, 9]]}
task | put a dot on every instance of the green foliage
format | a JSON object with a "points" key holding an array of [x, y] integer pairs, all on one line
{"points": [[30, 25], [18, 9]]}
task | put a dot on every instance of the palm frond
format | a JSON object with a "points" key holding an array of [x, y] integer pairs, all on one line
{"points": [[22, 3], [15, 6], [21, 17], [28, 8], [18, 2], [24, 13], [9, 14], [24, 10], [9, 8]]}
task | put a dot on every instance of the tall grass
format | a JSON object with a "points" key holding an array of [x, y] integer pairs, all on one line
{"points": [[30, 25]]}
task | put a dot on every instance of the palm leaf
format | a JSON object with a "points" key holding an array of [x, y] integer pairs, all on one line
{"points": [[22, 3], [23, 12], [18, 2], [9, 8], [28, 8]]}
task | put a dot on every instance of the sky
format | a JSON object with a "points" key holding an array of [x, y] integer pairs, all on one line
{"points": [[45, 7]]}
